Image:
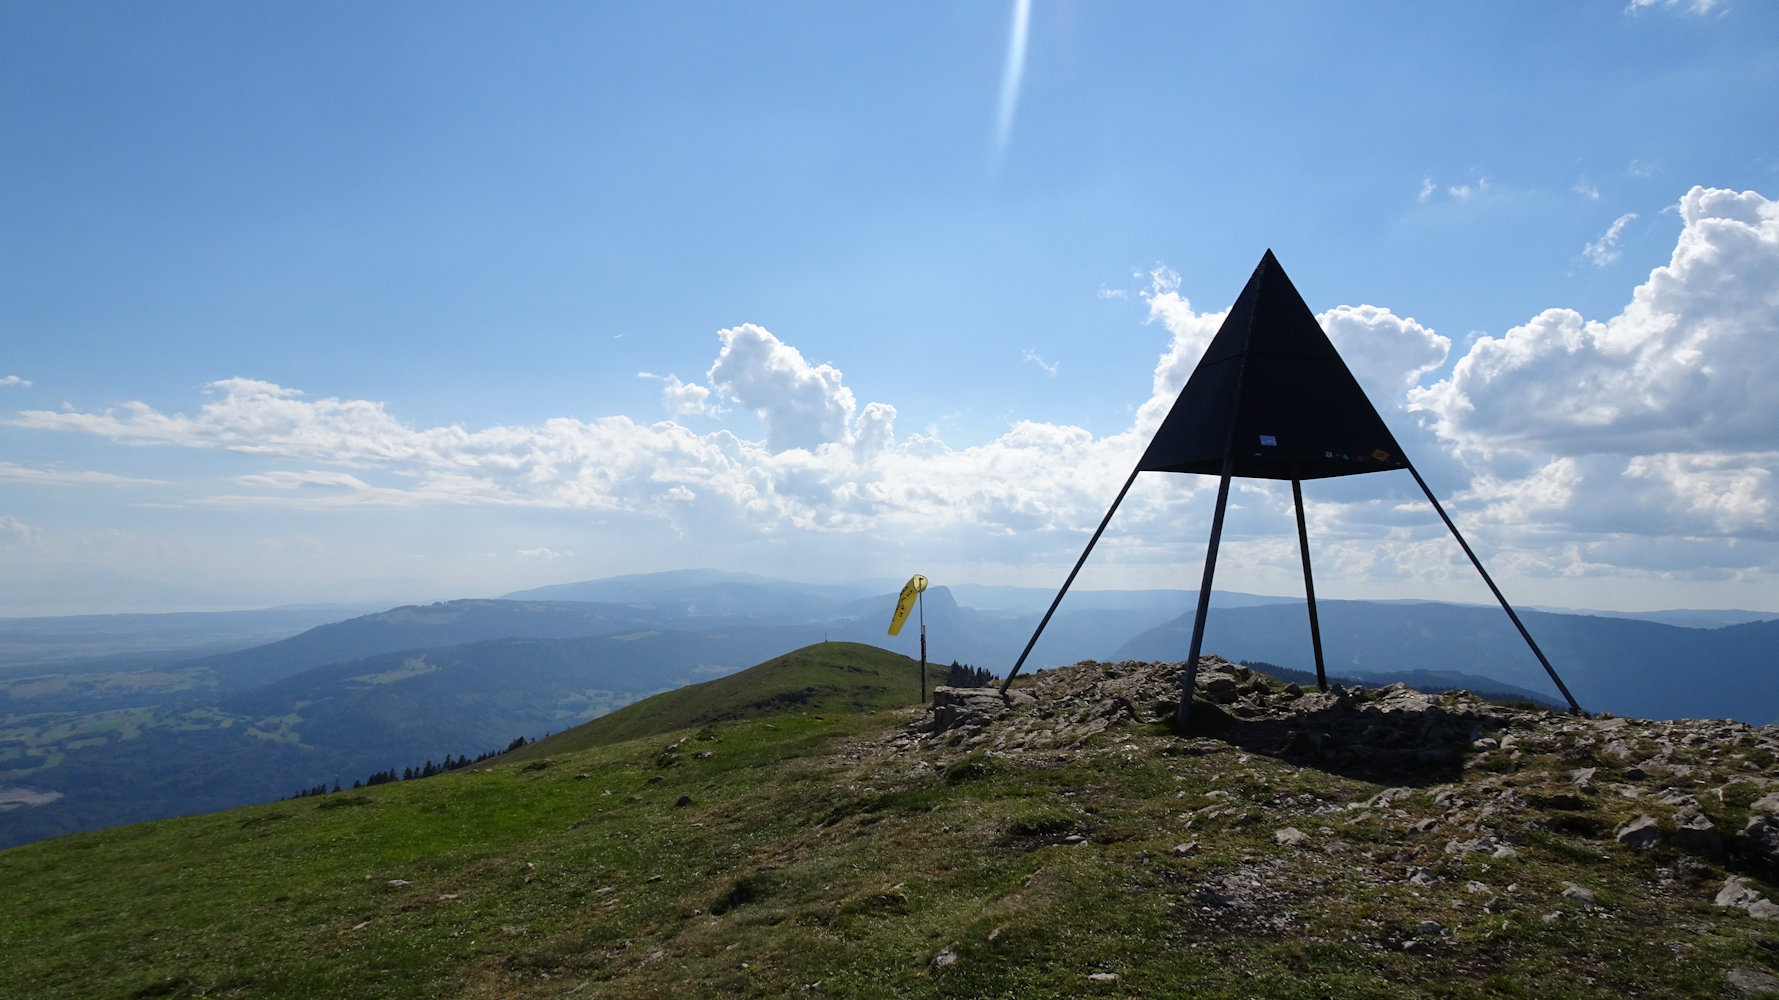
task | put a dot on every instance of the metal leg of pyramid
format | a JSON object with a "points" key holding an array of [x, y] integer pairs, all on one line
{"points": [[1189, 677], [1474, 561], [1091, 542], [1309, 583]]}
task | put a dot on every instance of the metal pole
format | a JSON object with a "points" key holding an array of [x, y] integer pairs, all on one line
{"points": [[1309, 583], [1558, 681], [920, 602], [1189, 679], [1065, 584]]}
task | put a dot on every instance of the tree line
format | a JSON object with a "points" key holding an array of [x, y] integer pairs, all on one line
{"points": [[426, 770], [962, 675]]}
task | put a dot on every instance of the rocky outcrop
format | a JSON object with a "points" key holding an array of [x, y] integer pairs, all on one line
{"points": [[1641, 833], [967, 709], [1737, 893], [1490, 772], [1394, 727], [1761, 836]]}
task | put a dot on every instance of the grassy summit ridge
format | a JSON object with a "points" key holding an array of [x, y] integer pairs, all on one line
{"points": [[1063, 846]]}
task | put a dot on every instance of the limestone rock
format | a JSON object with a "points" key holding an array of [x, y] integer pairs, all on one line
{"points": [[1761, 836], [1698, 835], [1580, 894], [1639, 834], [1737, 892], [1220, 689], [1750, 982], [954, 708], [1388, 796], [1290, 836], [1765, 909]]}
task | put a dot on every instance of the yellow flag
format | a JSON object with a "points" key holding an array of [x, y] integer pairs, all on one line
{"points": [[905, 603]]}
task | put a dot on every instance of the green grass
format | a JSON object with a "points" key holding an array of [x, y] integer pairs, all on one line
{"points": [[829, 676], [797, 854]]}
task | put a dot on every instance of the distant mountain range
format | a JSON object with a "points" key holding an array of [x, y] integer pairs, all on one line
{"points": [[113, 719], [1685, 618], [1635, 668], [76, 639]]}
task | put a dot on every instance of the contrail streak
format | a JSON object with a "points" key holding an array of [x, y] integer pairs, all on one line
{"points": [[1011, 77]]}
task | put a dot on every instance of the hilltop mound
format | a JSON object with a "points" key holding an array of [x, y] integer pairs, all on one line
{"points": [[830, 676], [1062, 842]]}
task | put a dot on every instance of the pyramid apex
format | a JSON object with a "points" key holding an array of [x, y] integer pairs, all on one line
{"points": [[1272, 395]]}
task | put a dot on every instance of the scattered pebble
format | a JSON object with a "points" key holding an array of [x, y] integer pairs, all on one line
{"points": [[1578, 893]]}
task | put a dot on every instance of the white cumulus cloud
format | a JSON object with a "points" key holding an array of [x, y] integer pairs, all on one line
{"points": [[1387, 353], [684, 398], [1729, 492], [1691, 362], [1678, 388], [15, 380], [1191, 332], [802, 405], [875, 433]]}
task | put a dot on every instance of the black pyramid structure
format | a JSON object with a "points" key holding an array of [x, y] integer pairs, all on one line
{"points": [[1272, 393], [1272, 399]]}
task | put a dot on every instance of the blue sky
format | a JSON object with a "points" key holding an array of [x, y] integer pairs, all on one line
{"points": [[398, 301]]}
